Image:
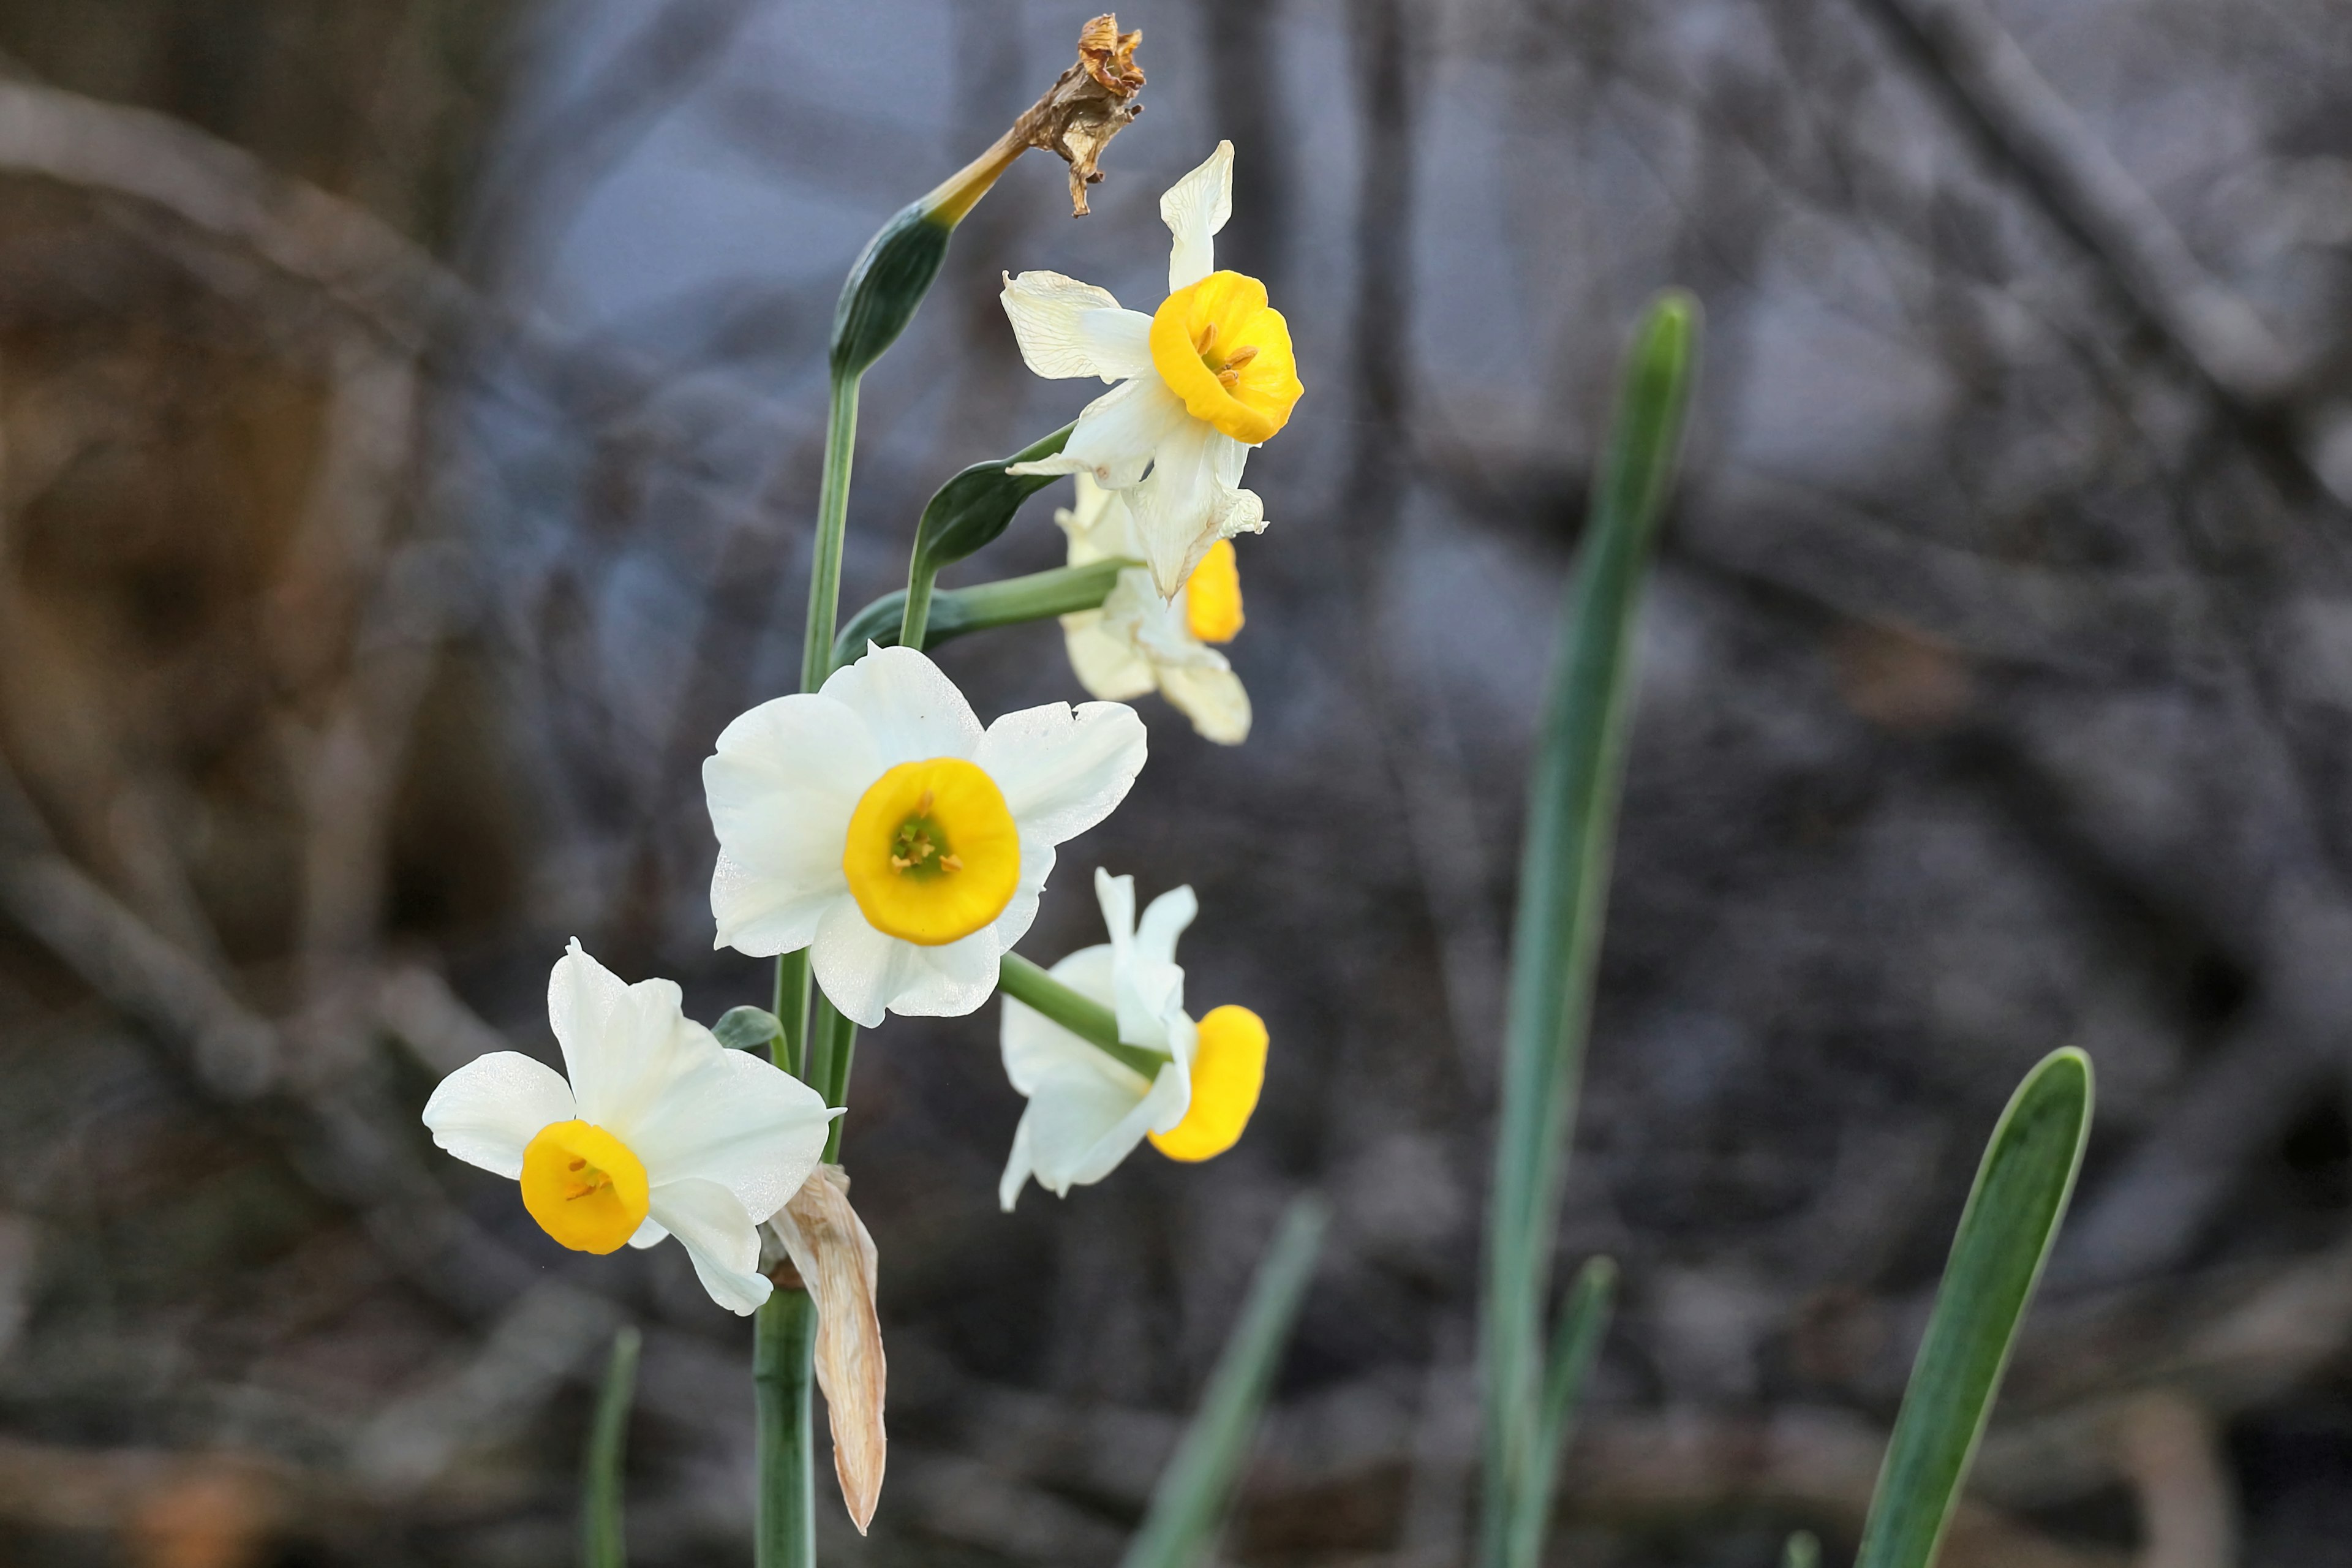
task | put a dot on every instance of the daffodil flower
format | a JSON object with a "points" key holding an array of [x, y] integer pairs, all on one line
{"points": [[653, 1129], [1139, 642], [1087, 1111], [1201, 380], [876, 823]]}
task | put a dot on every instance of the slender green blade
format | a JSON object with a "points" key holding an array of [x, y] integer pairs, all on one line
{"points": [[1803, 1550], [1190, 1500], [601, 1541], [2012, 1218], [1563, 882], [973, 508], [1575, 1346]]}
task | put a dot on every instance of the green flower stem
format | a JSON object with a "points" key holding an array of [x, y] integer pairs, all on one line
{"points": [[783, 1381], [914, 616], [601, 1542], [1576, 1345], [792, 1012], [832, 523], [1082, 1015], [953, 612], [836, 1040]]}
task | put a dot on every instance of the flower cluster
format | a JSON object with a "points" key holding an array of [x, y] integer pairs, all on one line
{"points": [[875, 826]]}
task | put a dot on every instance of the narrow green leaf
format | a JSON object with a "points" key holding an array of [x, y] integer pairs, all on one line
{"points": [[973, 508], [748, 1029], [1803, 1550], [1010, 601], [2012, 1218], [603, 1544], [1190, 1500], [1575, 1346], [1563, 883]]}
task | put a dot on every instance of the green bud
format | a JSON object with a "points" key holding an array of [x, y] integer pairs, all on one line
{"points": [[887, 285], [748, 1029]]}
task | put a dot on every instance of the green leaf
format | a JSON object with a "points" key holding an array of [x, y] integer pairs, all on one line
{"points": [[976, 506], [1010, 601], [603, 1544], [1563, 883], [1803, 1551], [1190, 1500], [2005, 1232], [748, 1029], [885, 285], [1576, 1345]]}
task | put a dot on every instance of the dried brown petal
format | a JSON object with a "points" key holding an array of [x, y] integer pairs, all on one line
{"points": [[835, 1257], [1109, 55]]}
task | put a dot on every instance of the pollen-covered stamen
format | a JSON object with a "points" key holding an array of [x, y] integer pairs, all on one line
{"points": [[1230, 373]]}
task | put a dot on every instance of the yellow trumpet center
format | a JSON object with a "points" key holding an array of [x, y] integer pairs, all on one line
{"points": [[583, 1187], [1221, 348], [933, 854], [1212, 596], [1228, 1071]]}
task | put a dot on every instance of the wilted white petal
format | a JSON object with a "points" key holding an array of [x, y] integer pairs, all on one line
{"points": [[1067, 328], [487, 1111], [1063, 770], [912, 710], [836, 1257], [1194, 208], [720, 1239]]}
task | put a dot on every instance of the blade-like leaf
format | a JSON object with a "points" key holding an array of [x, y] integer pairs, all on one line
{"points": [[601, 1541], [1563, 882], [971, 509], [748, 1029], [1575, 1346], [1189, 1501], [2012, 1217]]}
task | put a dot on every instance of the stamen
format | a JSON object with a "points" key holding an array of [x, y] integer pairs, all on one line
{"points": [[951, 863], [923, 807], [1242, 356], [1207, 340]]}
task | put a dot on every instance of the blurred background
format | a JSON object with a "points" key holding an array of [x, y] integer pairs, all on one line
{"points": [[412, 411]]}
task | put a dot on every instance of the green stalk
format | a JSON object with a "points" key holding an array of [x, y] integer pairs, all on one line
{"points": [[784, 1379], [792, 1011], [603, 1544], [1576, 1345], [837, 1039], [832, 523], [1082, 1015], [1008, 602], [914, 617]]}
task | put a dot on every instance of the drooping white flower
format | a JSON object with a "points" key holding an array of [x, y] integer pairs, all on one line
{"points": [[1139, 642], [876, 823], [1202, 379], [1087, 1111], [653, 1129]]}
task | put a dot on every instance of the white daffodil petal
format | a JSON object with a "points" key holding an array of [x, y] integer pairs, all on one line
{"points": [[1036, 865], [1067, 328], [1018, 1168], [1063, 770], [623, 1044], [1177, 508], [739, 1121], [1137, 1001], [487, 1111], [723, 1240], [1164, 919], [1213, 698], [912, 710], [953, 978], [860, 970], [1106, 665], [1120, 433], [1079, 1128], [653, 1232], [780, 785], [1194, 208]]}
